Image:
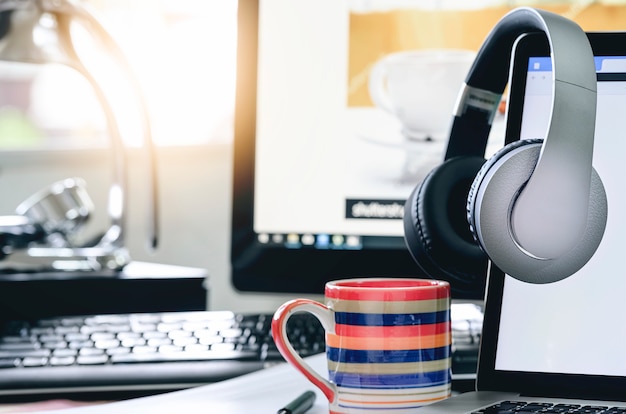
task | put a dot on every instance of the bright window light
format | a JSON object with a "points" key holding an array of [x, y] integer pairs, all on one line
{"points": [[183, 53]]}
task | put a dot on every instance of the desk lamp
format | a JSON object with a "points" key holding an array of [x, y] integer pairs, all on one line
{"points": [[64, 206]]}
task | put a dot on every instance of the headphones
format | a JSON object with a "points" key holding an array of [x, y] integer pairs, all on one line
{"points": [[536, 209]]}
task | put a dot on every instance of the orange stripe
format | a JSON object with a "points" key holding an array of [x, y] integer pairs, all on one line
{"points": [[388, 343], [425, 400], [395, 331]]}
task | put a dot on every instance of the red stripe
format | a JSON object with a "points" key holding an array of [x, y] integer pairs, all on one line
{"points": [[392, 331], [387, 289], [279, 334]]}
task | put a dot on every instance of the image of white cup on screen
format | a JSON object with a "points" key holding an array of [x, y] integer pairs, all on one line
{"points": [[420, 88]]}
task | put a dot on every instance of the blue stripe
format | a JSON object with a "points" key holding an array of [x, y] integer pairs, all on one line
{"points": [[418, 380], [382, 356], [391, 319]]}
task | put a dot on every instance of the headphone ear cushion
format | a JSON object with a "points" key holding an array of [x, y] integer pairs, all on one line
{"points": [[482, 173], [436, 230]]}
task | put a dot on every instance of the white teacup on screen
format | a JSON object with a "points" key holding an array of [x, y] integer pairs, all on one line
{"points": [[420, 88]]}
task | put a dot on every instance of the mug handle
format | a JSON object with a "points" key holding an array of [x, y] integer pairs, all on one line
{"points": [[376, 86], [279, 333]]}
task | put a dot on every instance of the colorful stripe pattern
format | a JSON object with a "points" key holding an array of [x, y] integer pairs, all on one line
{"points": [[390, 349]]}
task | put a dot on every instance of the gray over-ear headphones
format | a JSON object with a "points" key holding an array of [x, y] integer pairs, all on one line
{"points": [[537, 209]]}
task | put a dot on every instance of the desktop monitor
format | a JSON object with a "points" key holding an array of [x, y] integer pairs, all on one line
{"points": [[318, 192]]}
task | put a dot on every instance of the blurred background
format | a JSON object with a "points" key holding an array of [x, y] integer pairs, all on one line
{"points": [[184, 54]]}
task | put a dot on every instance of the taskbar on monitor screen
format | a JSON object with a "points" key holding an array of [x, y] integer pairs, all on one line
{"points": [[325, 241]]}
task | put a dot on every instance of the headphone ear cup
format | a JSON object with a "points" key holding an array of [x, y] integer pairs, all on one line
{"points": [[488, 168], [491, 199], [436, 229]]}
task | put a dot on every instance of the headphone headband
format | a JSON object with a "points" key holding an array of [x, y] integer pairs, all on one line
{"points": [[536, 209], [556, 196]]}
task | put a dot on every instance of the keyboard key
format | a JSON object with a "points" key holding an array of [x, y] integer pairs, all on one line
{"points": [[101, 336], [197, 348], [223, 347], [157, 342], [65, 321], [16, 339], [76, 336], [171, 349], [107, 343], [118, 350], [210, 340], [62, 360], [55, 345], [25, 353], [143, 327], [231, 333], [179, 334], [184, 341], [34, 362], [206, 333], [63, 352], [64, 330], [80, 344], [19, 346], [128, 335], [154, 335], [92, 359], [90, 351], [107, 320], [90, 329], [51, 338], [144, 349], [132, 342], [168, 327], [590, 409], [570, 407], [42, 331], [118, 328], [9, 362]]}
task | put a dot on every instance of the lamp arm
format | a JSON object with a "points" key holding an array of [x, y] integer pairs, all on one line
{"points": [[65, 11]]}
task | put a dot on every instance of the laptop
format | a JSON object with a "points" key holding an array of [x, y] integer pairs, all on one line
{"points": [[560, 345]]}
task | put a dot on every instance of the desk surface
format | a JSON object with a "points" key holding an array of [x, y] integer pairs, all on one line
{"points": [[260, 392]]}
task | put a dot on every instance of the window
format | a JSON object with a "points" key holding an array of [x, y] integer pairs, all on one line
{"points": [[182, 54]]}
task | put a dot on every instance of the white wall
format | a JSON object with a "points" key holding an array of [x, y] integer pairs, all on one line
{"points": [[195, 200]]}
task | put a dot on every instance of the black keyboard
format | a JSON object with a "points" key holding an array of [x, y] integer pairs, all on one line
{"points": [[145, 353], [522, 407]]}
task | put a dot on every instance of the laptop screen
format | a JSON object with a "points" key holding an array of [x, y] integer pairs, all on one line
{"points": [[576, 326]]}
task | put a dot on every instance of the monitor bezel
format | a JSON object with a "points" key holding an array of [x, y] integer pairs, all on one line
{"points": [[264, 268]]}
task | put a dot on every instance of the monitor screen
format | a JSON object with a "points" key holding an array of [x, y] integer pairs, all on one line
{"points": [[546, 337], [603, 268], [320, 173]]}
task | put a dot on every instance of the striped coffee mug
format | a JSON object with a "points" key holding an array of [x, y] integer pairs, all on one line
{"points": [[387, 343]]}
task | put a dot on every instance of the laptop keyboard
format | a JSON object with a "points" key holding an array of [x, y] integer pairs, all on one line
{"points": [[520, 407], [170, 350]]}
